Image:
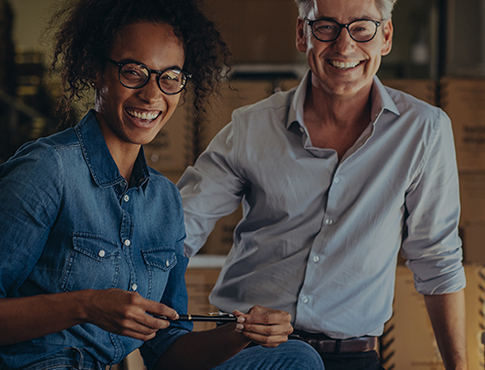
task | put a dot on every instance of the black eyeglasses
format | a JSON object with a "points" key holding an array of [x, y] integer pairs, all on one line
{"points": [[134, 75], [360, 30]]}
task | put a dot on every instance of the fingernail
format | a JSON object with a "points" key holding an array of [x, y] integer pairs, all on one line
{"points": [[239, 327], [177, 317], [241, 319]]}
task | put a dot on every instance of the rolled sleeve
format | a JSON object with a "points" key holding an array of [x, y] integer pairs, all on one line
{"points": [[431, 243]]}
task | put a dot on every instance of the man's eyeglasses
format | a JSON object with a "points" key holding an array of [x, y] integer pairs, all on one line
{"points": [[135, 75], [360, 30]]}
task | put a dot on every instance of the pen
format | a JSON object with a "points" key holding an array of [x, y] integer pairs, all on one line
{"points": [[225, 317]]}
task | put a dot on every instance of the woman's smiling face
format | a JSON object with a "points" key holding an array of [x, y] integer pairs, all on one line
{"points": [[135, 116]]}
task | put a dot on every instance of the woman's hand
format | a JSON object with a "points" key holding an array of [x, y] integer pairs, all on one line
{"points": [[126, 313], [264, 326]]}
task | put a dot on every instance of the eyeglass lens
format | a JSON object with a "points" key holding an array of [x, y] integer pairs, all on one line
{"points": [[134, 75], [328, 30]]}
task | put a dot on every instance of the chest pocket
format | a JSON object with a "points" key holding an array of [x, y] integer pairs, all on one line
{"points": [[159, 262], [94, 263]]}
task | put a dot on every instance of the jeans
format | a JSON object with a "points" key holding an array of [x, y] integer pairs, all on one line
{"points": [[352, 361], [68, 359], [291, 355]]}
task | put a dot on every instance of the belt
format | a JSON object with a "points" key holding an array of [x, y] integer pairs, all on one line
{"points": [[324, 344]]}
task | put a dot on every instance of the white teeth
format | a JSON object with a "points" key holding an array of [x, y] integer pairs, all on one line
{"points": [[343, 65], [144, 115]]}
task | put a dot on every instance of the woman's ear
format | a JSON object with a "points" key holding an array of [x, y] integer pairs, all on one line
{"points": [[96, 80]]}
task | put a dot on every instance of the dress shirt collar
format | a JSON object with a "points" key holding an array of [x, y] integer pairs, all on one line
{"points": [[380, 100], [98, 158]]}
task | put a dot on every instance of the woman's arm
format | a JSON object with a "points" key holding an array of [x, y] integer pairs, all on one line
{"points": [[114, 310]]}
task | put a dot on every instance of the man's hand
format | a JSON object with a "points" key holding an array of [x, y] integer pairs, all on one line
{"points": [[264, 326], [127, 313]]}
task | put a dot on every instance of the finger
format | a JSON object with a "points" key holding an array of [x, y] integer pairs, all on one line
{"points": [[160, 310], [265, 330], [265, 316], [262, 340]]}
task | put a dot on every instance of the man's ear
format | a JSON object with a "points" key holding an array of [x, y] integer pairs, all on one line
{"points": [[301, 37], [388, 32]]}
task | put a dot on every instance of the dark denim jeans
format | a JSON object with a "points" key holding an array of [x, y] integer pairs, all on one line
{"points": [[68, 359], [291, 355]]}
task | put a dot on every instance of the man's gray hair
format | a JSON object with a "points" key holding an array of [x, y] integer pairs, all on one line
{"points": [[384, 6]]}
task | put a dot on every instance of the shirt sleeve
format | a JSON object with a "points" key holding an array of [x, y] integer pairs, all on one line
{"points": [[431, 243], [211, 189], [30, 194], [175, 296]]}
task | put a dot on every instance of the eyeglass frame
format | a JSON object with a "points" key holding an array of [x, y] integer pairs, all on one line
{"points": [[158, 73], [311, 22]]}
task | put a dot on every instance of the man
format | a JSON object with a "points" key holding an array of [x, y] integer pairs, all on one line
{"points": [[335, 177]]}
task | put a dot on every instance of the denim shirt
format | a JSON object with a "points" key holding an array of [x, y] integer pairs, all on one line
{"points": [[70, 221]]}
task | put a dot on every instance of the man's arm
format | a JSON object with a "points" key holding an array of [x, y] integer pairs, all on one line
{"points": [[447, 314]]}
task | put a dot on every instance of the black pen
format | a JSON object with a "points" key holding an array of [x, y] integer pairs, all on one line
{"points": [[211, 317]]}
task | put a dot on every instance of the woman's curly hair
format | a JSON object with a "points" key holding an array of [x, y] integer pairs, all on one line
{"points": [[88, 29]]}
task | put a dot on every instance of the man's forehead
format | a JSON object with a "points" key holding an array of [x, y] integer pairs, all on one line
{"points": [[351, 9]]}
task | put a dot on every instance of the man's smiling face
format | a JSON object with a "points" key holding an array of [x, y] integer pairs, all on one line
{"points": [[344, 67]]}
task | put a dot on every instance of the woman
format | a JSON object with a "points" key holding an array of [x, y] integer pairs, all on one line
{"points": [[91, 259]]}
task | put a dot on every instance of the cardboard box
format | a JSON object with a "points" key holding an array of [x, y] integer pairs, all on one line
{"points": [[472, 197], [408, 342], [463, 100], [173, 147], [421, 89], [221, 239], [473, 237], [234, 94], [257, 31], [472, 220], [200, 282]]}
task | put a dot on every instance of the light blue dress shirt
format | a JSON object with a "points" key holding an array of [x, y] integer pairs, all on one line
{"points": [[70, 221], [320, 237]]}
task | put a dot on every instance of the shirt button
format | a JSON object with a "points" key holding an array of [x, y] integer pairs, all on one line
{"points": [[127, 242], [316, 259], [101, 253], [336, 180], [134, 287], [305, 299], [328, 221], [126, 198]]}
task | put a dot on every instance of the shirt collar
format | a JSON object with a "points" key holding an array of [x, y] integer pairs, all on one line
{"points": [[98, 157], [380, 100]]}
